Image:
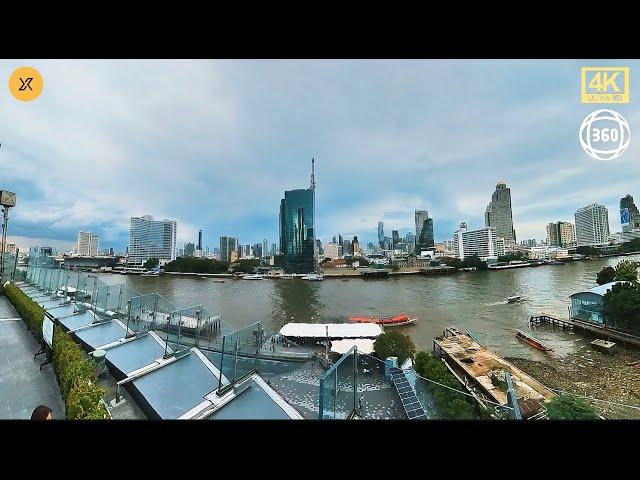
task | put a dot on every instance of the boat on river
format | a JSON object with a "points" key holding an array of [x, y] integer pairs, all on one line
{"points": [[396, 320], [514, 299], [534, 342]]}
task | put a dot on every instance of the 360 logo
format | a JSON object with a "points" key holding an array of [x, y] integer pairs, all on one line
{"points": [[604, 134]]}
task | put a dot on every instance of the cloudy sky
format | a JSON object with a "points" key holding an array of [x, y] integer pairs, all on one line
{"points": [[214, 144]]}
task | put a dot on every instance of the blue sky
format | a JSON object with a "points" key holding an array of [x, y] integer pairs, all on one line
{"points": [[213, 144]]}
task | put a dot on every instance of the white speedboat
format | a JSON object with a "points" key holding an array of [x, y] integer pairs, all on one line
{"points": [[252, 276], [514, 299], [313, 277]]}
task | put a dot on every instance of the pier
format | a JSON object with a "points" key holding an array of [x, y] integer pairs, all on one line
{"points": [[602, 332], [483, 370], [544, 318]]}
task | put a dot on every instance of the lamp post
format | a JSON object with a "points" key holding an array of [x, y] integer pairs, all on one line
{"points": [[7, 200]]}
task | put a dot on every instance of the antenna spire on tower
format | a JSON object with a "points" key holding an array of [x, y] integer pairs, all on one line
{"points": [[313, 178]]}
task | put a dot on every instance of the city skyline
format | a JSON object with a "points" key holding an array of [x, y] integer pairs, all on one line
{"points": [[164, 152]]}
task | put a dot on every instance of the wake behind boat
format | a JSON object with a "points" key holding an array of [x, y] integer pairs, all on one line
{"points": [[534, 342], [385, 321]]}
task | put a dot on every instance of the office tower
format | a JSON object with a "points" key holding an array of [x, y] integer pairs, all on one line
{"points": [[200, 240], [355, 245], [227, 247], [380, 234], [498, 214], [424, 231], [395, 238], [592, 225], [216, 250], [83, 246], [629, 214], [274, 249], [560, 234], [189, 248], [265, 248], [332, 250], [149, 238], [340, 240], [296, 231]]}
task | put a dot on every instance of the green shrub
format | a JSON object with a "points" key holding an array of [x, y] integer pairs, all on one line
{"points": [[85, 401], [568, 407], [31, 313], [75, 372], [394, 344], [450, 404]]}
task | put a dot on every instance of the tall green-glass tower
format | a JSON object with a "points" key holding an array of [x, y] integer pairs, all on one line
{"points": [[297, 229]]}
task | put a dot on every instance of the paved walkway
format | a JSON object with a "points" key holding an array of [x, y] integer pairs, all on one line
{"points": [[23, 386]]}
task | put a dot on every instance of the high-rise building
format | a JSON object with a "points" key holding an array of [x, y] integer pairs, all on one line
{"points": [[629, 214], [274, 249], [499, 246], [424, 231], [340, 240], [265, 248], [355, 246], [200, 240], [561, 234], [592, 225], [332, 250], [149, 238], [216, 251], [380, 234], [87, 244], [189, 249], [346, 247], [297, 236], [482, 243], [227, 247], [395, 238], [498, 214]]}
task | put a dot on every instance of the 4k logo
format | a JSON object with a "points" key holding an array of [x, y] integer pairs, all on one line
{"points": [[26, 84], [605, 84]]}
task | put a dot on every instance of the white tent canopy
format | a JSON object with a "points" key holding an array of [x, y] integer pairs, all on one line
{"points": [[336, 330], [365, 345]]}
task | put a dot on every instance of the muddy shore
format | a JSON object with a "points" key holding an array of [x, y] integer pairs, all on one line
{"points": [[593, 374]]}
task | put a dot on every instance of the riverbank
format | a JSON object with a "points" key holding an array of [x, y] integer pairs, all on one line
{"points": [[592, 374]]}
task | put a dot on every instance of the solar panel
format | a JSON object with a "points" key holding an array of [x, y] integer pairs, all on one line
{"points": [[412, 406]]}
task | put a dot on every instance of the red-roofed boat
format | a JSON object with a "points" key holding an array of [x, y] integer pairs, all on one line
{"points": [[396, 320]]}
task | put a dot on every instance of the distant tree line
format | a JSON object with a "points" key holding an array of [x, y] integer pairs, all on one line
{"points": [[208, 265], [473, 261]]}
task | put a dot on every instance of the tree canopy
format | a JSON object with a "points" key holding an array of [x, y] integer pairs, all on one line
{"points": [[568, 407], [627, 270], [606, 275], [151, 263], [394, 344], [196, 265], [622, 306]]}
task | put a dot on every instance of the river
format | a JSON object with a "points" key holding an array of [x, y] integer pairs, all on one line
{"points": [[473, 301]]}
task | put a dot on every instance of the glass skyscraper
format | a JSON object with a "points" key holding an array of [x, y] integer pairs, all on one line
{"points": [[424, 231], [297, 231]]}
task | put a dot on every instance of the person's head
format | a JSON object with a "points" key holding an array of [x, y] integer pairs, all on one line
{"points": [[42, 412]]}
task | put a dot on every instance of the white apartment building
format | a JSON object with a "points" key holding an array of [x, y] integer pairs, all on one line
{"points": [[149, 238], [87, 244], [476, 242], [592, 225]]}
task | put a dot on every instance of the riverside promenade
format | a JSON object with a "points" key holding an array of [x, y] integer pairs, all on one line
{"points": [[23, 386]]}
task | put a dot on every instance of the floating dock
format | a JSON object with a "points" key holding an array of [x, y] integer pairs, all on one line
{"points": [[476, 364]]}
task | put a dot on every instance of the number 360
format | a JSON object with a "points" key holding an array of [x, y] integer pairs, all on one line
{"points": [[605, 134]]}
